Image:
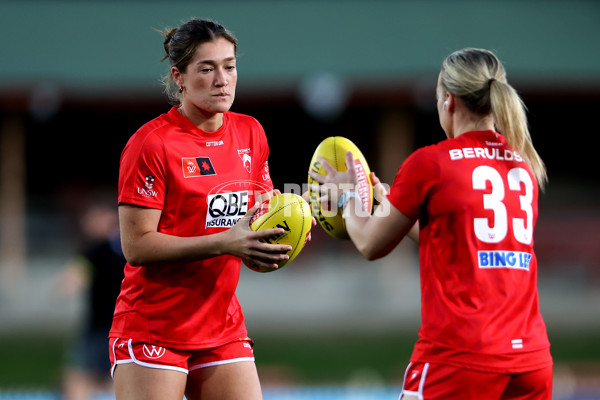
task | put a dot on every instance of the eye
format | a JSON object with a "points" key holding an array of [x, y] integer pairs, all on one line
{"points": [[206, 70], [230, 67]]}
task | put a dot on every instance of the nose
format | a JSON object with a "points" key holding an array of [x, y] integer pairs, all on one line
{"points": [[221, 78]]}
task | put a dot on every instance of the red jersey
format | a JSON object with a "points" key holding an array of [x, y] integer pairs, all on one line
{"points": [[203, 182], [476, 202]]}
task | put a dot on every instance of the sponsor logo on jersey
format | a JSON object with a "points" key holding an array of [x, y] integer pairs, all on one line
{"points": [[152, 351], [212, 144], [197, 166], [487, 142], [504, 259], [266, 176], [149, 181], [147, 190], [226, 209], [246, 156], [227, 202], [484, 153]]}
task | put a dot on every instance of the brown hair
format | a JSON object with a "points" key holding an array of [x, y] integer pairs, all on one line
{"points": [[181, 43], [478, 78]]}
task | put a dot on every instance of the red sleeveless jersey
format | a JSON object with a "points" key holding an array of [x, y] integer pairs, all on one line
{"points": [[203, 182], [476, 202]]}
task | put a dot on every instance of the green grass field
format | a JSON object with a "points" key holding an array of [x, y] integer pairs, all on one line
{"points": [[35, 362]]}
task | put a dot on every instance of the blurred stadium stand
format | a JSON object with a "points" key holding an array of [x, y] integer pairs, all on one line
{"points": [[78, 78]]}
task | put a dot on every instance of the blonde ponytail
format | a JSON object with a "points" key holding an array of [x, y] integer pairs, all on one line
{"points": [[479, 79], [509, 115]]}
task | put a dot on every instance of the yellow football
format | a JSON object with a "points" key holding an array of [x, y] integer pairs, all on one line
{"points": [[334, 149], [290, 212]]}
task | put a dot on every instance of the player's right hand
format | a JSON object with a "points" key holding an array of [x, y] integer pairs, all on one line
{"points": [[245, 243], [380, 190]]}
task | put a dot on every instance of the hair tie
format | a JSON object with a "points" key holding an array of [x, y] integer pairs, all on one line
{"points": [[490, 82]]}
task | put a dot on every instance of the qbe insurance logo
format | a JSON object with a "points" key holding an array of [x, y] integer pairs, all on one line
{"points": [[225, 209], [230, 201]]}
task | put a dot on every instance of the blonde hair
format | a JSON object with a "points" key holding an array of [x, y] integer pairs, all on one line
{"points": [[478, 78]]}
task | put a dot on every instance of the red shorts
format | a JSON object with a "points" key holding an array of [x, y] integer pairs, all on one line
{"points": [[125, 351], [440, 381]]}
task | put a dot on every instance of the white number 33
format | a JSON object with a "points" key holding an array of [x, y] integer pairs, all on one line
{"points": [[522, 230]]}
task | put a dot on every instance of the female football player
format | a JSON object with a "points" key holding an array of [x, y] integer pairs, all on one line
{"points": [[188, 183], [474, 196]]}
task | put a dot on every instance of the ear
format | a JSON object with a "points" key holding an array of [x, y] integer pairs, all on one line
{"points": [[177, 76], [450, 102]]}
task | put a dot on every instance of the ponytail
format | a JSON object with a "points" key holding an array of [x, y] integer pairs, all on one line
{"points": [[479, 79], [509, 115]]}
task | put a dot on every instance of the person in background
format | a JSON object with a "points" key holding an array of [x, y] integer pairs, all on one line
{"points": [[97, 274], [188, 186], [474, 199]]}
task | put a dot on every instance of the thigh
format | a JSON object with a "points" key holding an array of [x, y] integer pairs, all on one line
{"points": [[233, 381], [133, 382], [530, 385]]}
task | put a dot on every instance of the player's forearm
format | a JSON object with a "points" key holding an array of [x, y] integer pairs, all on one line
{"points": [[414, 232], [155, 248], [376, 235], [357, 226]]}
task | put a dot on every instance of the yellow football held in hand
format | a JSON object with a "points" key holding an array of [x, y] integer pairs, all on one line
{"points": [[289, 212], [334, 149]]}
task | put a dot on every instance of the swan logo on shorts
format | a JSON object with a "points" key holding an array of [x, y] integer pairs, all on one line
{"points": [[153, 351]]}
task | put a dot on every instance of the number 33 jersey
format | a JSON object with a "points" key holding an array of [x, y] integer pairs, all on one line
{"points": [[476, 202], [203, 183]]}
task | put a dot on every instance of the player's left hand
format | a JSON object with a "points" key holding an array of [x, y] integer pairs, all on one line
{"points": [[335, 182]]}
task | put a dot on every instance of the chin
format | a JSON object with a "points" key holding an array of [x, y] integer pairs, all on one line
{"points": [[221, 108]]}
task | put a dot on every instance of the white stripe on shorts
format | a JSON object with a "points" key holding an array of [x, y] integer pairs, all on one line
{"points": [[222, 362], [112, 369], [157, 366], [418, 394], [140, 363]]}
